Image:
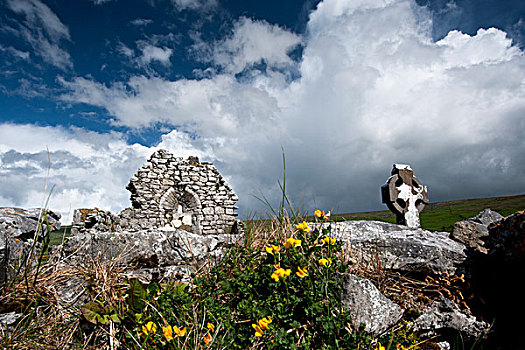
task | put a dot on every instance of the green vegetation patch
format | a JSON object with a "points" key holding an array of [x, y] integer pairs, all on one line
{"points": [[443, 215]]}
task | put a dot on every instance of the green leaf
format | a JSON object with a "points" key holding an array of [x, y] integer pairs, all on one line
{"points": [[102, 319], [114, 318], [91, 312], [136, 296]]}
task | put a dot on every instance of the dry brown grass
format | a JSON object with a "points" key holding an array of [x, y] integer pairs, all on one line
{"points": [[50, 298]]}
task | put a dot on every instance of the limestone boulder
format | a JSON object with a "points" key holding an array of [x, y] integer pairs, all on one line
{"points": [[367, 305], [470, 232], [399, 247], [94, 218], [444, 314], [496, 280], [151, 253], [22, 223], [8, 320], [17, 233], [506, 239]]}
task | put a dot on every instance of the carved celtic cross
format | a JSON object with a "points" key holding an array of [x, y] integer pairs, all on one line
{"points": [[404, 195]]}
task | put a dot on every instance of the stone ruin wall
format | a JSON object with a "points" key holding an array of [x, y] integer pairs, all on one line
{"points": [[172, 191]]}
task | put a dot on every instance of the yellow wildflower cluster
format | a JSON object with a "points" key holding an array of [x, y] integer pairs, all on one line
{"points": [[321, 214], [208, 337], [328, 240], [280, 273], [303, 226], [292, 242], [149, 328], [260, 325], [168, 332], [272, 249]]}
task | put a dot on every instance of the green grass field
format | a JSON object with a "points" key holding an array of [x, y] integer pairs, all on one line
{"points": [[442, 216], [56, 236]]}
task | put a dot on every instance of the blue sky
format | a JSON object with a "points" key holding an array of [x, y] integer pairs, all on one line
{"points": [[346, 87]]}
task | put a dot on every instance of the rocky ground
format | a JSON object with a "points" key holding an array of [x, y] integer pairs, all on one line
{"points": [[442, 284]]}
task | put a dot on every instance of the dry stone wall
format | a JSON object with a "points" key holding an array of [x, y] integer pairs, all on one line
{"points": [[95, 219]]}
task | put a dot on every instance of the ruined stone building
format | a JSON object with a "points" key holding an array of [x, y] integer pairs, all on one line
{"points": [[176, 192]]}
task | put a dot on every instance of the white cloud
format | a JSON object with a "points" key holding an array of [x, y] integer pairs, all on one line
{"points": [[374, 90], [149, 53], [152, 53], [252, 42], [24, 55], [141, 21], [125, 50], [87, 169], [195, 4], [44, 31], [100, 2]]}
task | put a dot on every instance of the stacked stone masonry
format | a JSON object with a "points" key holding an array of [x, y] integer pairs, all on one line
{"points": [[176, 192]]}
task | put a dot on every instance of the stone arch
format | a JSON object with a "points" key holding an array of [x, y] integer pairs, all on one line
{"points": [[169, 200], [181, 207]]}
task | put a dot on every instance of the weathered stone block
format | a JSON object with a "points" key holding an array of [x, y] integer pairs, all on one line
{"points": [[367, 305]]}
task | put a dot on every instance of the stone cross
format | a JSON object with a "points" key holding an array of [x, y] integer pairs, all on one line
{"points": [[404, 195]]}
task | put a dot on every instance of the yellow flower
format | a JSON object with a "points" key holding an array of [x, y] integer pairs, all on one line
{"points": [[275, 276], [302, 273], [280, 273], [292, 242], [328, 240], [168, 332], [179, 332], [380, 347], [272, 249], [149, 327], [207, 338], [210, 326], [303, 227], [264, 322], [258, 330], [260, 325], [321, 215], [325, 262]]}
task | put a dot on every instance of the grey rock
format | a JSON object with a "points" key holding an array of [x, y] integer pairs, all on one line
{"points": [[22, 223], [151, 253], [445, 314], [367, 305], [399, 247], [96, 219], [17, 232], [8, 319], [470, 232], [487, 217], [443, 345]]}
